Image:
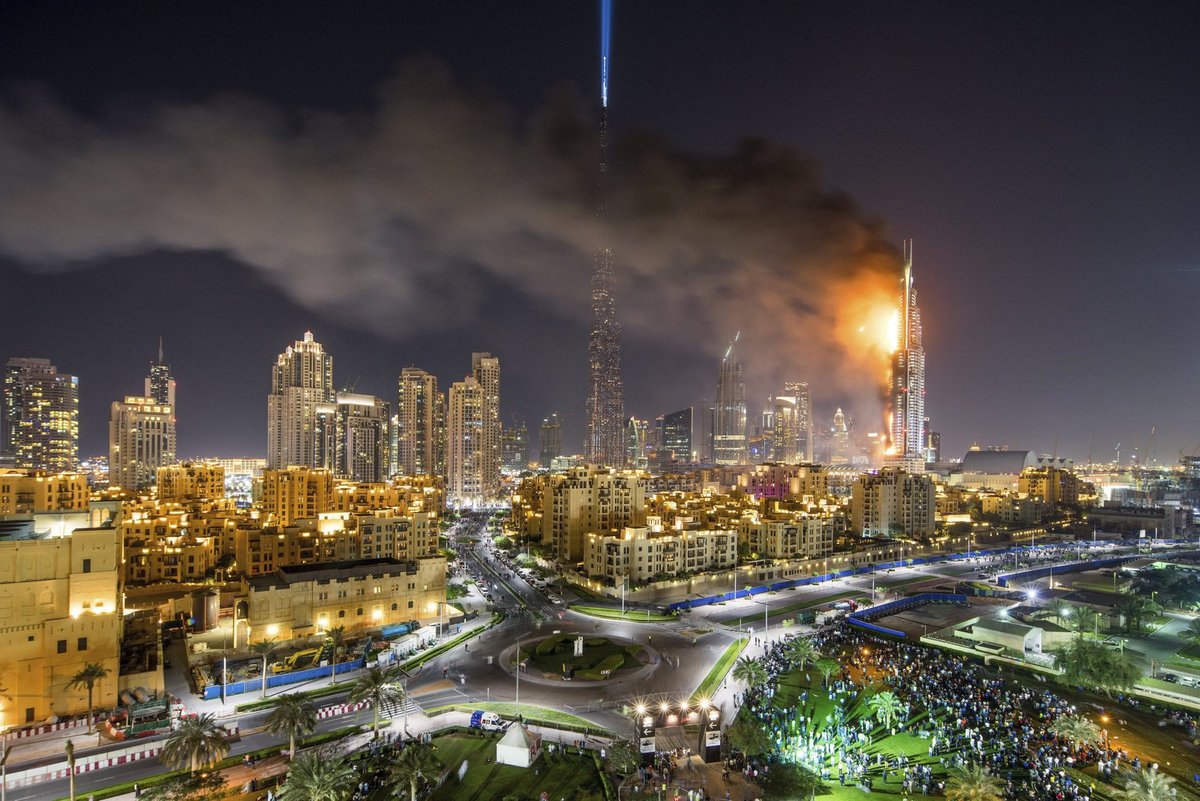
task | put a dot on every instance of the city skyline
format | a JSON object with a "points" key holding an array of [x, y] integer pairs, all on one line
{"points": [[1034, 244]]}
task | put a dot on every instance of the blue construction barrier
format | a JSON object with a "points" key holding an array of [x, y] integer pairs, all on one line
{"points": [[1073, 567], [861, 617], [919, 560], [213, 691]]}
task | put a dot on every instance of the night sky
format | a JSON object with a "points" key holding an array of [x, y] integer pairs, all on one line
{"points": [[1043, 156]]}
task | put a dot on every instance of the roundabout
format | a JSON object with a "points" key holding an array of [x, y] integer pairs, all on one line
{"points": [[575, 659]]}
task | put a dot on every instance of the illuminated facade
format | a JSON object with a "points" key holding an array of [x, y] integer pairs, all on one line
{"points": [[586, 500], [418, 424], [907, 393], [893, 502], [486, 369], [31, 491], [646, 553], [303, 601], [464, 446], [356, 433], [191, 482], [792, 433], [296, 492], [729, 425], [60, 608], [677, 434], [40, 416], [141, 439], [605, 419], [301, 380]]}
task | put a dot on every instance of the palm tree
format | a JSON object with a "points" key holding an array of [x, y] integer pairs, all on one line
{"points": [[314, 776], [1061, 611], [196, 744], [1148, 785], [800, 651], [70, 749], [1086, 619], [91, 673], [415, 765], [379, 688], [886, 707], [265, 649], [1135, 608], [973, 783], [292, 716], [1077, 730], [750, 671], [337, 637], [827, 667]]}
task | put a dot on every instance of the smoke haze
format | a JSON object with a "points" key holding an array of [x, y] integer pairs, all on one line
{"points": [[384, 219]]}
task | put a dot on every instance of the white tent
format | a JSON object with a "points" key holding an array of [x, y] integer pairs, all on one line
{"points": [[519, 747]]}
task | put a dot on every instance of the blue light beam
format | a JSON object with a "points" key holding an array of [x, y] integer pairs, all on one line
{"points": [[605, 39]]}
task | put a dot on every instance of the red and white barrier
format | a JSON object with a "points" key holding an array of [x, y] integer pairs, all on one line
{"points": [[46, 728]]}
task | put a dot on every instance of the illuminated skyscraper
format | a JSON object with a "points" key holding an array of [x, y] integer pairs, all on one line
{"points": [[464, 443], [160, 386], [486, 369], [841, 440], [41, 415], [792, 431], [514, 446], [549, 441], [301, 379], [141, 439], [605, 443], [677, 434], [908, 373], [729, 427], [418, 417], [359, 437]]}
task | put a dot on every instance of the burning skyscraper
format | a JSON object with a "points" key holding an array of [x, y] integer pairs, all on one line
{"points": [[907, 385]]}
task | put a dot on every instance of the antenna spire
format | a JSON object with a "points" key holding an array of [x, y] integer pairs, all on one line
{"points": [[160, 352]]}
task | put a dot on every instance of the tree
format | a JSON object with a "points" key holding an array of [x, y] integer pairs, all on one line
{"points": [[265, 649], [750, 671], [800, 651], [292, 717], [70, 749], [379, 688], [415, 766], [1085, 619], [1077, 730], [623, 757], [196, 744], [186, 787], [1135, 609], [1148, 785], [886, 707], [337, 637], [1061, 611], [827, 667], [1091, 664], [1192, 632], [91, 673], [316, 776], [788, 780], [748, 735], [973, 783]]}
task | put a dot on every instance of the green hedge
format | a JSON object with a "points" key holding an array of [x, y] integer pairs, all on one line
{"points": [[717, 673], [609, 663]]}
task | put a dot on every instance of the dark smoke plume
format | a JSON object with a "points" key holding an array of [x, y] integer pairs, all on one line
{"points": [[384, 217]]}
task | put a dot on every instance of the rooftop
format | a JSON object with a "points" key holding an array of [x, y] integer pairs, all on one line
{"points": [[330, 571]]}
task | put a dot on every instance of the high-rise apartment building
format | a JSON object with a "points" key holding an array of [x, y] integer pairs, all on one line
{"points": [[486, 369], [605, 443], [419, 416], [359, 439], [549, 441], [729, 429], [893, 503], [908, 373], [301, 380], [41, 416], [141, 439], [587, 500], [464, 443], [677, 434], [514, 445], [792, 432], [296, 492]]}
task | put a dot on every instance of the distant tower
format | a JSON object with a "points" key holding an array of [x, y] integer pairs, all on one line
{"points": [[841, 440], [605, 443], [301, 379], [40, 415], [729, 427], [549, 441], [464, 443], [908, 372], [418, 415], [486, 369], [160, 386]]}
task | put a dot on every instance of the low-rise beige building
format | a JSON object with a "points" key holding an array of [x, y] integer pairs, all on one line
{"points": [[191, 482], [646, 553], [60, 608], [296, 492], [797, 535], [303, 601], [30, 491]]}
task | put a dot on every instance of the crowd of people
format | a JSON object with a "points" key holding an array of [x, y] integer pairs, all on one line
{"points": [[967, 715]]}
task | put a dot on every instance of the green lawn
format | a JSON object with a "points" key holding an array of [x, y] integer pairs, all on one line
{"points": [[632, 616], [717, 672], [559, 776], [551, 654], [793, 608]]}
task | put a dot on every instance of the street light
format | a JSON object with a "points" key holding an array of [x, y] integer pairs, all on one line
{"points": [[766, 624]]}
